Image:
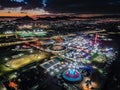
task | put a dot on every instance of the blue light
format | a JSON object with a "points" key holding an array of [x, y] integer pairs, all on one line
{"points": [[72, 75], [44, 3], [72, 71], [18, 0]]}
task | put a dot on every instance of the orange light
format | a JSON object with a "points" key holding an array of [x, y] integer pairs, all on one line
{"points": [[12, 85]]}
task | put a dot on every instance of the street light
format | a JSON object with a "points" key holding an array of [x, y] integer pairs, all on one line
{"points": [[6, 59]]}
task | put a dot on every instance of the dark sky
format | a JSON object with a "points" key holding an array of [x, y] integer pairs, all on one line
{"points": [[66, 5]]}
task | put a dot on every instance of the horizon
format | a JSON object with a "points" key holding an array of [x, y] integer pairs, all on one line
{"points": [[46, 7]]}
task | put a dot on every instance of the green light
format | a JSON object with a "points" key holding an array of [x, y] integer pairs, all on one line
{"points": [[100, 71]]}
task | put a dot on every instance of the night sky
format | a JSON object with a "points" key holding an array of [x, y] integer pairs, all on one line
{"points": [[66, 5]]}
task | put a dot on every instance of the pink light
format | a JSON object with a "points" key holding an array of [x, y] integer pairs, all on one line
{"points": [[96, 38]]}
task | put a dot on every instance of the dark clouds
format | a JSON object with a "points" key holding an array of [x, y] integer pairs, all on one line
{"points": [[67, 5], [85, 5], [9, 3]]}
